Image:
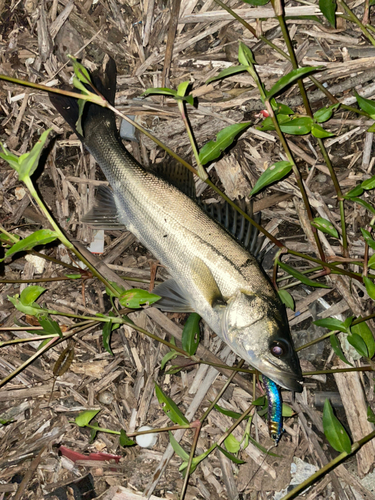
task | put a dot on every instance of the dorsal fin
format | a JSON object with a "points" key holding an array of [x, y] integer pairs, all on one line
{"points": [[240, 228], [179, 176]]}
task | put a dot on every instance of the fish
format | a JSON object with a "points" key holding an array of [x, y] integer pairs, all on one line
{"points": [[211, 273]]}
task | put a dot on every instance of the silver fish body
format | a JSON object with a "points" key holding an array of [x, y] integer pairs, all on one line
{"points": [[211, 273]]}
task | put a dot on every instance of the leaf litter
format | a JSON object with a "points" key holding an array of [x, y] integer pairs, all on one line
{"points": [[37, 416]]}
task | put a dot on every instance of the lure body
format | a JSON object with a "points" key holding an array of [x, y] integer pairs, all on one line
{"points": [[275, 418]]}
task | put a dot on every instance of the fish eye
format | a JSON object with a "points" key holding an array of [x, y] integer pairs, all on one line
{"points": [[278, 349]]}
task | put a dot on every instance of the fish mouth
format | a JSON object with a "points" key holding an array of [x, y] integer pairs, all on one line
{"points": [[284, 379], [287, 381]]}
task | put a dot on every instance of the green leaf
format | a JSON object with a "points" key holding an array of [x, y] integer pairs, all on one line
{"points": [[182, 88], [368, 183], [364, 331], [359, 344], [119, 289], [367, 105], [331, 324], [93, 432], [372, 128], [30, 294], [26, 164], [334, 431], [325, 226], [191, 334], [280, 108], [262, 448], [298, 126], [224, 139], [371, 262], [363, 203], [196, 461], [106, 332], [181, 93], [357, 191], [231, 444], [85, 417], [33, 310], [29, 161], [335, 344], [320, 132], [368, 238], [80, 71], [170, 408], [290, 78], [267, 123], [229, 455], [370, 415], [125, 440], [328, 8], [41, 237], [287, 299], [261, 401], [287, 411], [301, 277], [370, 287], [324, 114], [73, 276], [9, 239], [49, 325], [229, 413], [136, 297], [233, 70], [168, 357], [257, 3], [178, 449], [160, 91], [245, 56], [273, 173]]}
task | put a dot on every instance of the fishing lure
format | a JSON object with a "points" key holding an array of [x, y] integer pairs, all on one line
{"points": [[275, 419]]}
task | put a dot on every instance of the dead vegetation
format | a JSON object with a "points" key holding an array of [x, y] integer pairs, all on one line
{"points": [[162, 45]]}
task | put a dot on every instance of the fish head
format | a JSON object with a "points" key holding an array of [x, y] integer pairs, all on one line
{"points": [[257, 329]]}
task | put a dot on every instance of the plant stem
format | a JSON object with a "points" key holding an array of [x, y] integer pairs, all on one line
{"points": [[20, 368], [328, 467], [367, 368], [201, 171], [221, 392], [190, 461], [64, 240], [355, 20]]}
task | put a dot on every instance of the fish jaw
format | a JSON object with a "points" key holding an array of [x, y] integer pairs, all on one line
{"points": [[256, 329]]}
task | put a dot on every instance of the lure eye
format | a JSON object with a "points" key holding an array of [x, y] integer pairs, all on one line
{"points": [[278, 349]]}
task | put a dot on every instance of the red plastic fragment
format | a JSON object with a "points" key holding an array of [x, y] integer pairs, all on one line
{"points": [[75, 455]]}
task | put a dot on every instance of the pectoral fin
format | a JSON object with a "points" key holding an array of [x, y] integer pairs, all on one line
{"points": [[173, 298], [205, 282], [104, 214]]}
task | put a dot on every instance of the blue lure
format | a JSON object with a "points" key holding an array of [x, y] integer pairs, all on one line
{"points": [[275, 419]]}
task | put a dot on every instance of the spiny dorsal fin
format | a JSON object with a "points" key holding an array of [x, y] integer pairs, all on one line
{"points": [[240, 228], [179, 176]]}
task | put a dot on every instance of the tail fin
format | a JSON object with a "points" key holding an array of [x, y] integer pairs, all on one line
{"points": [[105, 83]]}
